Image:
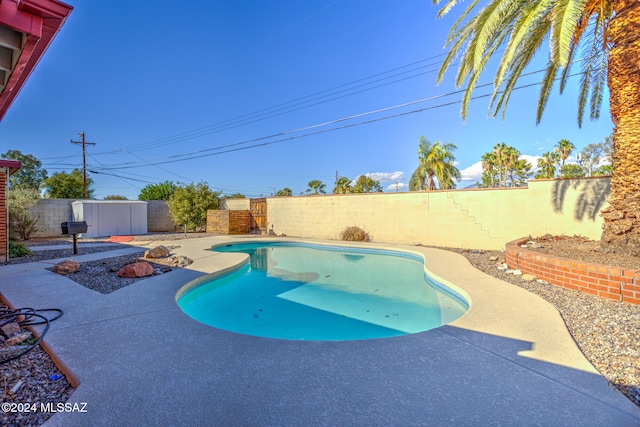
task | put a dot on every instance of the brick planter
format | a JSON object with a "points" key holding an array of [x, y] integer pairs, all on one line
{"points": [[615, 283]]}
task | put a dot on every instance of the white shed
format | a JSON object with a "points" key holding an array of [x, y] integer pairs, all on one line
{"points": [[111, 217]]}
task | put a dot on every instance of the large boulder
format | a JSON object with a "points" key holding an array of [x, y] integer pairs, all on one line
{"points": [[157, 252], [135, 270], [67, 266]]}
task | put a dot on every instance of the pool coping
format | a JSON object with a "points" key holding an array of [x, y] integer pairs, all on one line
{"points": [[138, 358]]}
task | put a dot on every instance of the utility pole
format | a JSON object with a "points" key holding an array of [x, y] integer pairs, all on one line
{"points": [[84, 160]]}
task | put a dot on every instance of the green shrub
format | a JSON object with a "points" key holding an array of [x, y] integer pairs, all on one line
{"points": [[189, 205], [21, 223], [355, 234], [17, 250]]}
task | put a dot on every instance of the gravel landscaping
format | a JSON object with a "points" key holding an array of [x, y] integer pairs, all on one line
{"points": [[606, 331]]}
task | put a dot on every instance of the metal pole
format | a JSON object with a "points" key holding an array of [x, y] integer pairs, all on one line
{"points": [[84, 169], [84, 161]]}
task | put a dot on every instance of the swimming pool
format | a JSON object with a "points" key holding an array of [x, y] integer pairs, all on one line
{"points": [[315, 292]]}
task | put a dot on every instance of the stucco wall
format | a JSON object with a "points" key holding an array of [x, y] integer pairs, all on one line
{"points": [[237, 204], [483, 219]]}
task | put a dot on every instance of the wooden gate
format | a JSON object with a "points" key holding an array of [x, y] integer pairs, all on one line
{"points": [[258, 208]]}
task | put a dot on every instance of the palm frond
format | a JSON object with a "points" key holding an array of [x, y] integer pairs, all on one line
{"points": [[545, 89], [529, 47], [531, 16], [565, 16], [566, 70]]}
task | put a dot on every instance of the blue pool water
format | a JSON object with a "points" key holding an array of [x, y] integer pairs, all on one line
{"points": [[314, 292]]}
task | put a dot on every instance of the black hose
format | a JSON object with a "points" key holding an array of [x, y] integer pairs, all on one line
{"points": [[30, 317]]}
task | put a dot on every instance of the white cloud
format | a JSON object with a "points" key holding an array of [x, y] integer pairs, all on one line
{"points": [[472, 173], [386, 176], [400, 186], [531, 159]]}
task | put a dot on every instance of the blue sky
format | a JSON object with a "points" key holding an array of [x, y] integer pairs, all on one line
{"points": [[160, 89]]}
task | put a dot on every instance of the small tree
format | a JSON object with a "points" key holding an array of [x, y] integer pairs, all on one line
{"points": [[62, 185], [21, 223], [115, 197], [189, 205], [521, 173], [365, 184], [571, 170], [160, 191], [30, 175]]}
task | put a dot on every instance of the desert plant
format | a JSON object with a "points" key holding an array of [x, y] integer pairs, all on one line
{"points": [[355, 234], [17, 250], [160, 191], [189, 205], [21, 223]]}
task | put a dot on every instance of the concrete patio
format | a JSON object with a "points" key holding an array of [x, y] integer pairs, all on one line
{"points": [[141, 361]]}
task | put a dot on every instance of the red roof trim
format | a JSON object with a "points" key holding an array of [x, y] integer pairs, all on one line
{"points": [[13, 165], [40, 20]]}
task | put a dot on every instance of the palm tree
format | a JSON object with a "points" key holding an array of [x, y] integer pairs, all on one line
{"points": [[603, 36], [343, 186], [489, 167], [436, 163], [418, 179], [499, 152], [316, 187], [547, 165], [564, 147], [286, 191], [511, 156]]}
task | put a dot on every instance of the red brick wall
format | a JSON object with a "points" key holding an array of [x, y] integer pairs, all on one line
{"points": [[3, 215], [615, 283]]}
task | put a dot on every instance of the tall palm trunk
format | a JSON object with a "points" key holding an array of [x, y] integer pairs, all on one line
{"points": [[621, 231]]}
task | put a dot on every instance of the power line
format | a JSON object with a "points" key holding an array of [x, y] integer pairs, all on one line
{"points": [[188, 156], [259, 115], [200, 153]]}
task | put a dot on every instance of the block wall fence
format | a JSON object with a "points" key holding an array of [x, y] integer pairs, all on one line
{"points": [[52, 212], [475, 218]]}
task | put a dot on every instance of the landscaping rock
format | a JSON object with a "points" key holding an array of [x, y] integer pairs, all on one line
{"points": [[180, 261], [517, 273], [18, 339], [10, 329], [66, 267], [135, 270], [493, 258], [157, 252], [529, 277]]}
